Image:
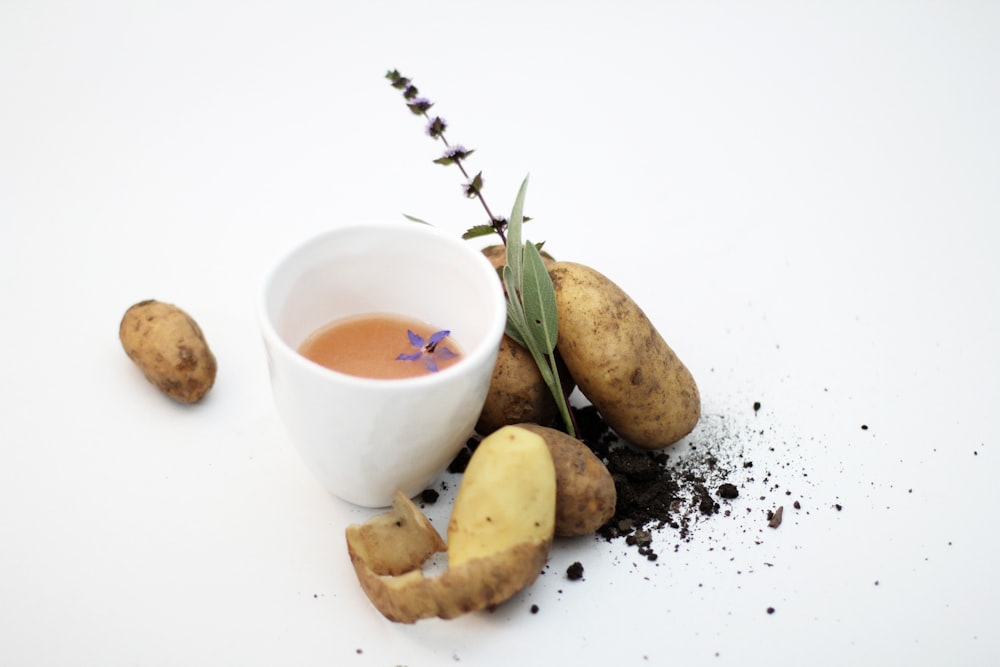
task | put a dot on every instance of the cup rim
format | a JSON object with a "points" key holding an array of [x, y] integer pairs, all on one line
{"points": [[497, 309]]}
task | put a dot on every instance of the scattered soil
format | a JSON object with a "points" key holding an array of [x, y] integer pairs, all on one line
{"points": [[728, 491], [461, 460], [654, 490], [676, 489]]}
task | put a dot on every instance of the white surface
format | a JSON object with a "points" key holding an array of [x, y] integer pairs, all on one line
{"points": [[803, 197]]}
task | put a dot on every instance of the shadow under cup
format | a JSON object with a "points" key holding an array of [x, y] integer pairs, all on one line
{"points": [[364, 438]]}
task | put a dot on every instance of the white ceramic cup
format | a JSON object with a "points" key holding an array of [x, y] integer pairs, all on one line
{"points": [[364, 438]]}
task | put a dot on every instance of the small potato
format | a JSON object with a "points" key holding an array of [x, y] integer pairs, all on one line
{"points": [[619, 360], [497, 254], [517, 391], [499, 536], [169, 348], [585, 491]]}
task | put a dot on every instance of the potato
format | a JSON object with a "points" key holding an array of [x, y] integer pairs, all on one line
{"points": [[499, 535], [619, 360], [507, 496], [497, 254], [169, 348], [585, 491], [517, 391]]}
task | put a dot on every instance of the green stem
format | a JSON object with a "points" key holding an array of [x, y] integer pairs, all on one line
{"points": [[562, 401], [546, 364]]}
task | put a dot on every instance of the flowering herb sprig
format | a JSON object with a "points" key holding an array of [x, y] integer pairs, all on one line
{"points": [[531, 303], [452, 155]]}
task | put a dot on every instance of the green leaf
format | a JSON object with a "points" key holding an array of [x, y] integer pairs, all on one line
{"points": [[515, 251], [512, 331], [539, 299], [477, 231], [475, 186], [510, 284], [413, 219]]}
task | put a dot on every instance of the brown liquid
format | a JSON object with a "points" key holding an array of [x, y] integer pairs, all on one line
{"points": [[367, 346]]}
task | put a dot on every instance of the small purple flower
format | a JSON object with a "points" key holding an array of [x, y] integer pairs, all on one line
{"points": [[431, 351], [436, 126], [420, 105], [453, 154], [473, 187]]}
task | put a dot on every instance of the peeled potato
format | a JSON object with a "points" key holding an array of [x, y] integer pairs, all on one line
{"points": [[507, 497], [169, 348], [499, 536]]}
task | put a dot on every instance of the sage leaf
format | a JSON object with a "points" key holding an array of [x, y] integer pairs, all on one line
{"points": [[514, 334], [515, 251], [539, 299]]}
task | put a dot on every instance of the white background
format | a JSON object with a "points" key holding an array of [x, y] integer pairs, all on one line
{"points": [[803, 196]]}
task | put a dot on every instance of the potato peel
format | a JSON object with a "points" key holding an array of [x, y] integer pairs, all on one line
{"points": [[388, 550], [394, 542]]}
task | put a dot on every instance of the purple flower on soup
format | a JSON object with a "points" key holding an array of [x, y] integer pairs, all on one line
{"points": [[430, 351]]}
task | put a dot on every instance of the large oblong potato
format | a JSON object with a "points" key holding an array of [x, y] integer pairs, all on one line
{"points": [[169, 348], [499, 536], [620, 361], [585, 491]]}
